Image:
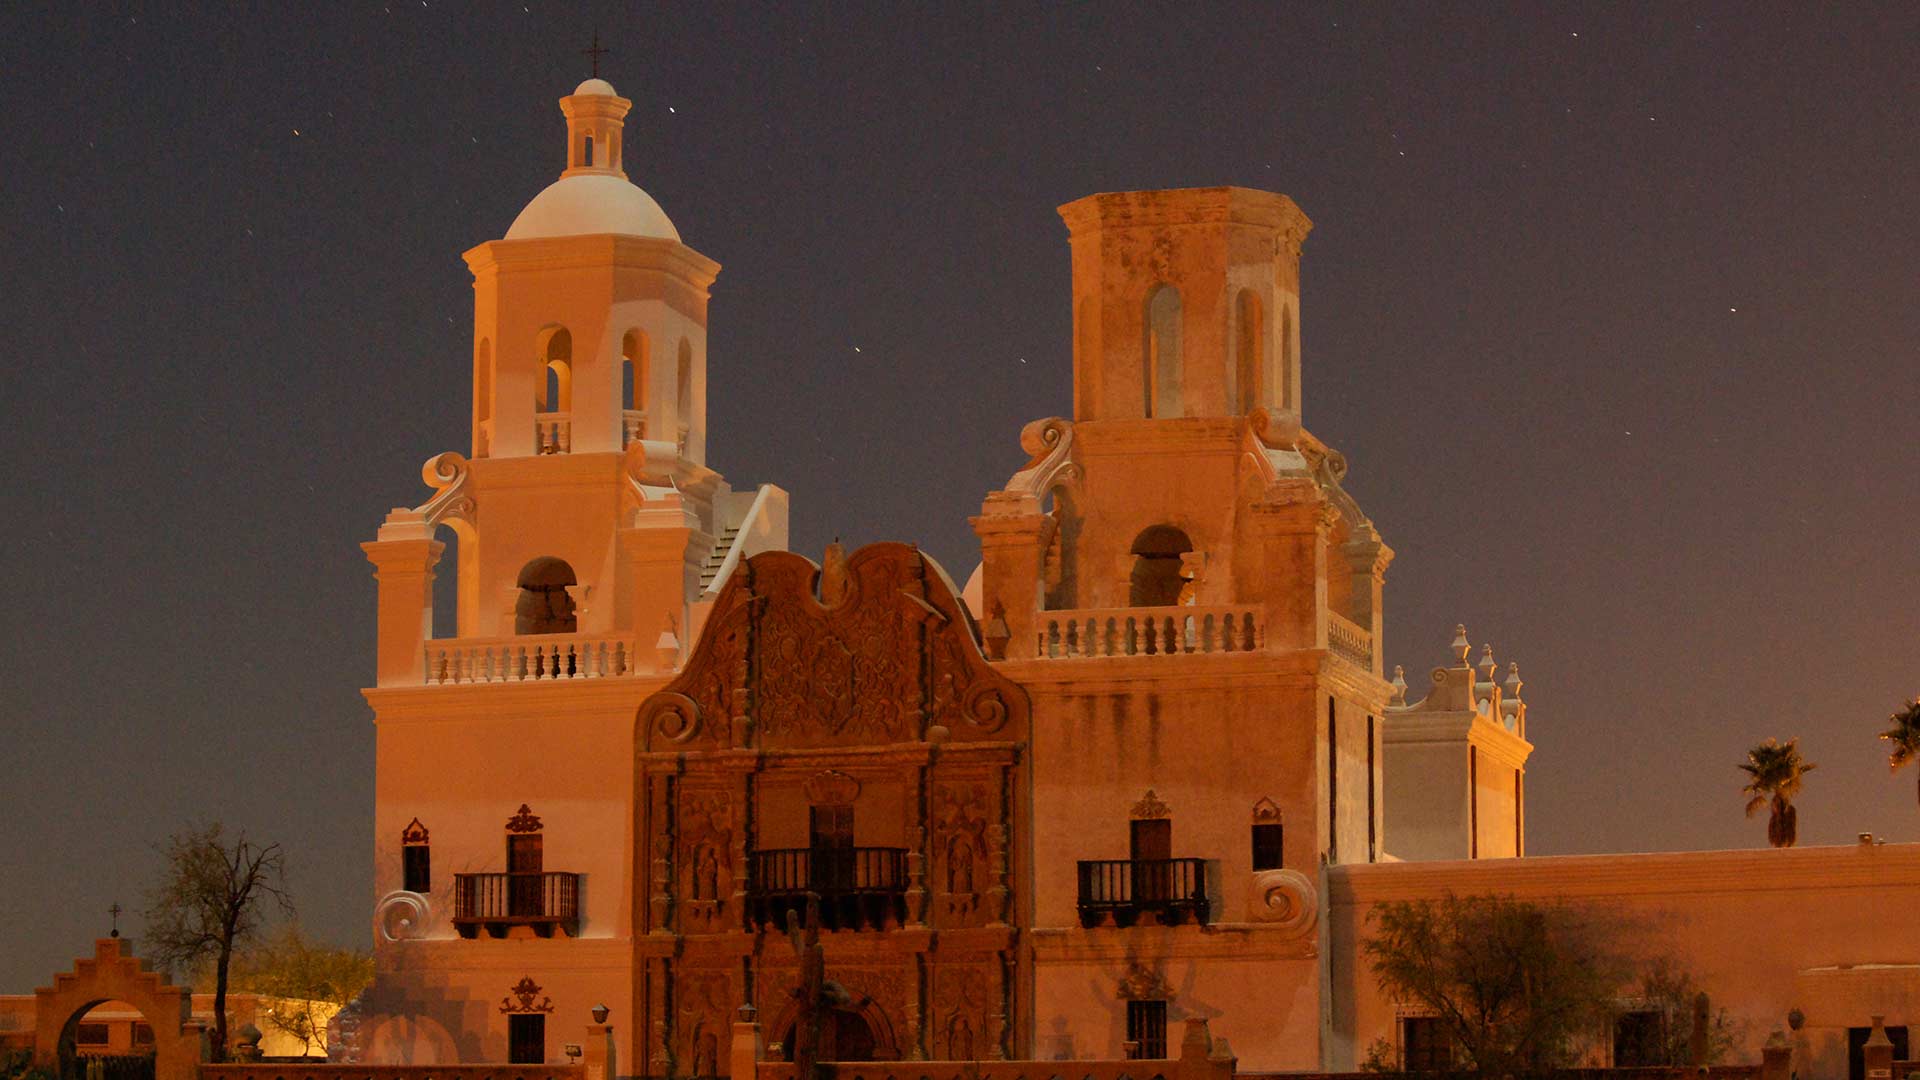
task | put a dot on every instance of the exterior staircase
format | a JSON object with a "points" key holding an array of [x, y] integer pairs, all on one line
{"points": [[718, 556]]}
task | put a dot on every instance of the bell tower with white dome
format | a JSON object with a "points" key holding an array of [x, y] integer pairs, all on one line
{"points": [[591, 541]]}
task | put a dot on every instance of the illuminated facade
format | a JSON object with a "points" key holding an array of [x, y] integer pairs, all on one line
{"points": [[1145, 766]]}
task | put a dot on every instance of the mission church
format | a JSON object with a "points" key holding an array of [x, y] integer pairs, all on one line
{"points": [[1147, 765]]}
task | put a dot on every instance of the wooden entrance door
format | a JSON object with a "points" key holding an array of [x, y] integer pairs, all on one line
{"points": [[523, 875], [527, 1038], [1150, 846]]}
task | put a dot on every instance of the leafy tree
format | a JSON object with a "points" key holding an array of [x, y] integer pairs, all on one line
{"points": [[1775, 771], [1668, 989], [304, 981], [208, 901], [1903, 738], [1516, 985]]}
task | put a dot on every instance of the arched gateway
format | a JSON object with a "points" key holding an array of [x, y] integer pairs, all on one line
{"points": [[111, 974]]}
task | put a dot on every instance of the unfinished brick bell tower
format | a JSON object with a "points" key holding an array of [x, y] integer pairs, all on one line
{"points": [[1193, 602]]}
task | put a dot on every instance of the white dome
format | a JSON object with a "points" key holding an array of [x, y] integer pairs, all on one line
{"points": [[596, 87], [588, 204]]}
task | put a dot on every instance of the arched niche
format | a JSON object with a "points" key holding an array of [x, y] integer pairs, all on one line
{"points": [[1163, 374], [1248, 385]]}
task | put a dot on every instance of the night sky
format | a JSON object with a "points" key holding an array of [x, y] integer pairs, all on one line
{"points": [[1613, 312]]}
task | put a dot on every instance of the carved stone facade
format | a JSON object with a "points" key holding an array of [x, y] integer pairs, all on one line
{"points": [[838, 731]]}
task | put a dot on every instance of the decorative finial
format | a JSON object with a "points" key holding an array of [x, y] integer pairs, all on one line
{"points": [[1513, 682], [1486, 659], [1399, 684], [595, 53], [115, 912], [1460, 645]]}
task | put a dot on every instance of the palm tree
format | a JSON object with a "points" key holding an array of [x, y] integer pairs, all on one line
{"points": [[1775, 770], [1903, 738]]}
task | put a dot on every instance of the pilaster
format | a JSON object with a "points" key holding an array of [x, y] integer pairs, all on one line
{"points": [[404, 569], [1367, 560], [1291, 527], [1013, 551]]}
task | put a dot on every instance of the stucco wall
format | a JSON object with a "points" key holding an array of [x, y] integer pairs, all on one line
{"points": [[1827, 929]]}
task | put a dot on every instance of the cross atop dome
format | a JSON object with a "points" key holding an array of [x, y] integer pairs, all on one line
{"points": [[595, 52]]}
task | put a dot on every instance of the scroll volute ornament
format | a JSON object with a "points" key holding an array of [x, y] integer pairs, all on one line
{"points": [[524, 821]]}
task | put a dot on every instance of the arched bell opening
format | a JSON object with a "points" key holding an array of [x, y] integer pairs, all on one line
{"points": [[1156, 580], [545, 606]]}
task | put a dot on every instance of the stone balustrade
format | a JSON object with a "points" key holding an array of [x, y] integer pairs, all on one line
{"points": [[553, 432], [1150, 631], [633, 426], [1346, 640], [531, 657]]}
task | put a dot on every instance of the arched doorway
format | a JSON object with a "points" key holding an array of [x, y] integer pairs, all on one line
{"points": [[844, 1036], [108, 1040], [113, 975]]}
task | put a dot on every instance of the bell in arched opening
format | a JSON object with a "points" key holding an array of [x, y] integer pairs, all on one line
{"points": [[545, 606]]}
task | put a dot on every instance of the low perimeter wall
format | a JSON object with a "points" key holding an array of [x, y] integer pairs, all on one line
{"points": [[317, 1071]]}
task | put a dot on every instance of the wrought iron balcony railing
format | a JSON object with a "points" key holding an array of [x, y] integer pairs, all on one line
{"points": [[858, 887], [1173, 890], [494, 902]]}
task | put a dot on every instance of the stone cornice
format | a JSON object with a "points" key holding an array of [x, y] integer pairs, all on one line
{"points": [[1187, 206], [1575, 877], [1214, 941], [1461, 728], [549, 699], [596, 251], [877, 760]]}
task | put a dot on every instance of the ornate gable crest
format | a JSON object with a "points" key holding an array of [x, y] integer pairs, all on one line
{"points": [[524, 821], [1150, 808], [832, 788], [874, 648], [520, 998], [414, 834], [1265, 812], [1142, 984]]}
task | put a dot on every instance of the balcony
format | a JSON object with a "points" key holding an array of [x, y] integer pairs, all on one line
{"points": [[1346, 640], [1172, 890], [859, 888], [529, 658], [1150, 631], [494, 902]]}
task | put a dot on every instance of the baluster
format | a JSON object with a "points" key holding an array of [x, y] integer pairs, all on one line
{"points": [[1246, 623], [1176, 636]]}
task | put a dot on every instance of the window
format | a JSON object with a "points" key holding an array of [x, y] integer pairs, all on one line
{"points": [[416, 873], [416, 869], [1424, 1045], [1639, 1039], [830, 863], [586, 154], [524, 876], [1373, 823], [527, 1038], [1333, 783], [90, 1034], [1147, 1030], [1267, 847], [142, 1033]]}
